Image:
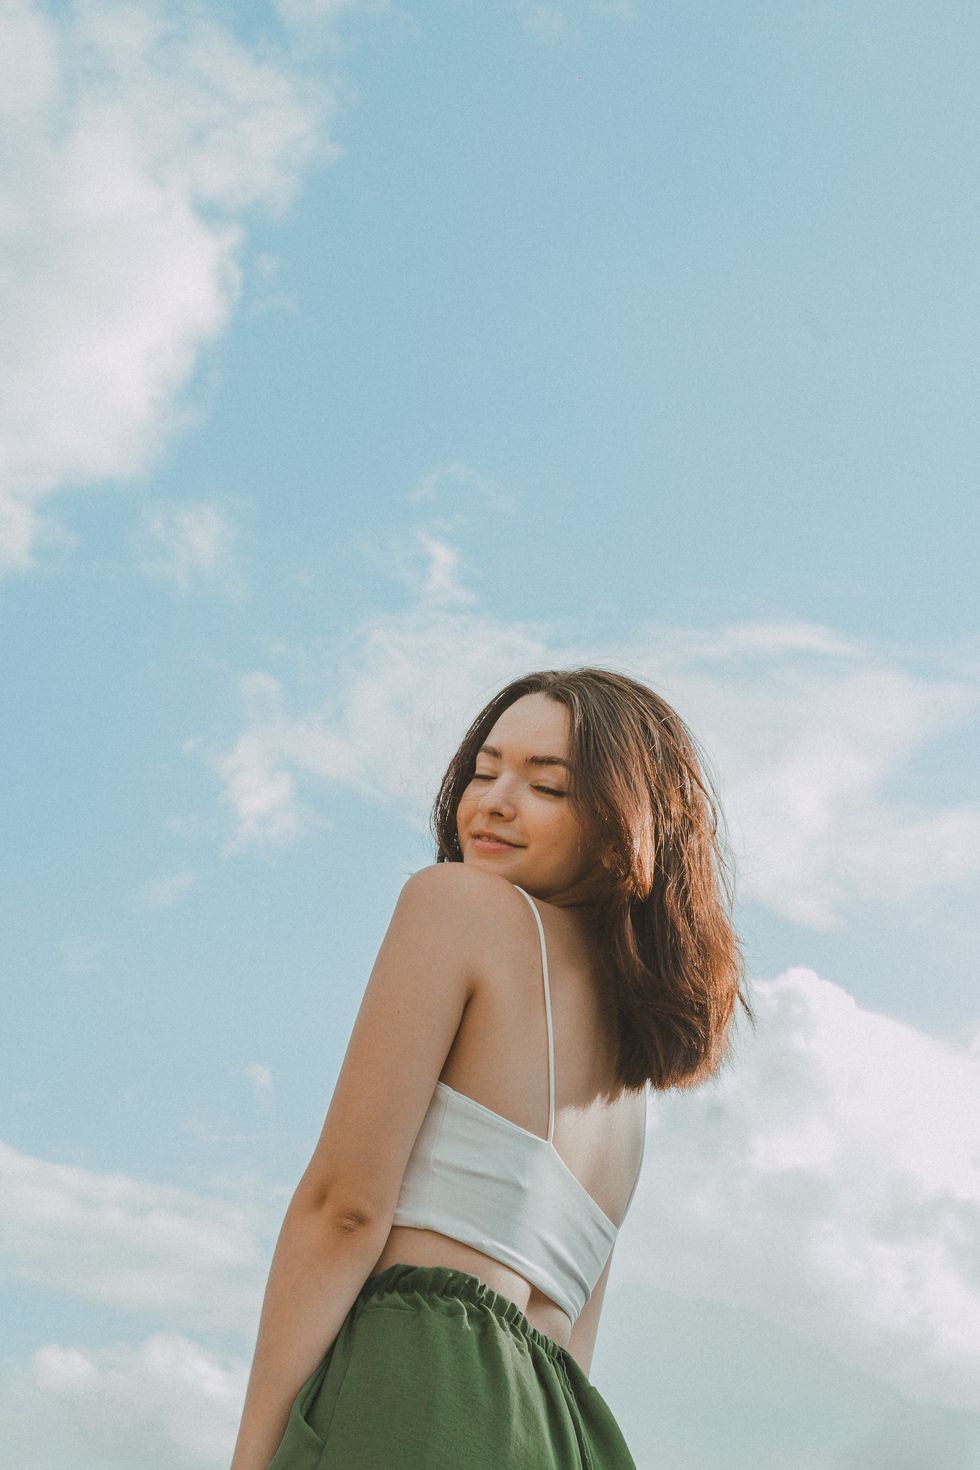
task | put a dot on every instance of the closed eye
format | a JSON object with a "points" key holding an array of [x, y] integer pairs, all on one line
{"points": [[550, 790]]}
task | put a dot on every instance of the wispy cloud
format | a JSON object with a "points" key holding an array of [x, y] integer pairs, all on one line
{"points": [[386, 731], [128, 1243], [549, 21], [260, 1078], [452, 483], [135, 140], [428, 563], [167, 1402], [305, 12], [191, 546], [807, 732], [164, 893], [544, 21], [442, 581]]}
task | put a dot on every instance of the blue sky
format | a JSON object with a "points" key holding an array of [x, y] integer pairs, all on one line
{"points": [[358, 357]]}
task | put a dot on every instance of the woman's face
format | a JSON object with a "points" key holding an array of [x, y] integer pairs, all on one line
{"points": [[525, 802]]}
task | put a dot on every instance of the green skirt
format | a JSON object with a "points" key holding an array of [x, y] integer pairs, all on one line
{"points": [[432, 1368]]}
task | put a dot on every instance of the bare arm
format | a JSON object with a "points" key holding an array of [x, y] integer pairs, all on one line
{"points": [[340, 1215], [320, 1263]]}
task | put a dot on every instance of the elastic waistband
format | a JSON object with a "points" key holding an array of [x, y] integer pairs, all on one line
{"points": [[447, 1281]]}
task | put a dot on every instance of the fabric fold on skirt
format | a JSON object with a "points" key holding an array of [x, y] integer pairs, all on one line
{"points": [[433, 1368]]}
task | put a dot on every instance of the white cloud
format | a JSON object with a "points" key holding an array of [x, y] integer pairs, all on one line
{"points": [[428, 563], [386, 732], [302, 12], [547, 21], [261, 792], [260, 1078], [759, 641], [189, 545], [808, 758], [830, 1182], [167, 1402], [442, 584], [109, 1238], [806, 734], [134, 139], [163, 893], [451, 482]]}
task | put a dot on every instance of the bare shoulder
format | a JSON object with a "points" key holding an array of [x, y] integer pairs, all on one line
{"points": [[458, 877], [477, 911], [459, 889], [426, 971]]}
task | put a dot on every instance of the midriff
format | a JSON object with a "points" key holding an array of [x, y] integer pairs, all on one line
{"points": [[413, 1246]]}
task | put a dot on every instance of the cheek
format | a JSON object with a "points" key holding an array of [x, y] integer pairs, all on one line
{"points": [[572, 833], [562, 828], [467, 806]]}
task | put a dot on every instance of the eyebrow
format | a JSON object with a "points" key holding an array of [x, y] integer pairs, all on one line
{"points": [[530, 760]]}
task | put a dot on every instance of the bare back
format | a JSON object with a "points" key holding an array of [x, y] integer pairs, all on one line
{"points": [[499, 1057]]}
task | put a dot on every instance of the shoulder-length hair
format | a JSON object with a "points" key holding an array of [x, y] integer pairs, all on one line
{"points": [[663, 890]]}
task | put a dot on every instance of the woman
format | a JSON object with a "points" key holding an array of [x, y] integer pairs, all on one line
{"points": [[436, 1287]]}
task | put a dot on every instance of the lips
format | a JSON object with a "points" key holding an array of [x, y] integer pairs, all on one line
{"points": [[492, 837]]}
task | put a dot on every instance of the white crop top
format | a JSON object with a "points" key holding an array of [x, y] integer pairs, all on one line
{"points": [[482, 1179]]}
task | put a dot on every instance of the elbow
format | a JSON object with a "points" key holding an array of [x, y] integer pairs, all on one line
{"points": [[350, 1220], [342, 1213], [342, 1219], [337, 1218]]}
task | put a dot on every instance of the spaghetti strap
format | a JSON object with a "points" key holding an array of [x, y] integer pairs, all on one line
{"points": [[547, 1007]]}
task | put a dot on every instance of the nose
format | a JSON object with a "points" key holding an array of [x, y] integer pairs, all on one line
{"points": [[494, 798]]}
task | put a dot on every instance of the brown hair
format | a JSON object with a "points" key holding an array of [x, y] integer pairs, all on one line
{"points": [[663, 894]]}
